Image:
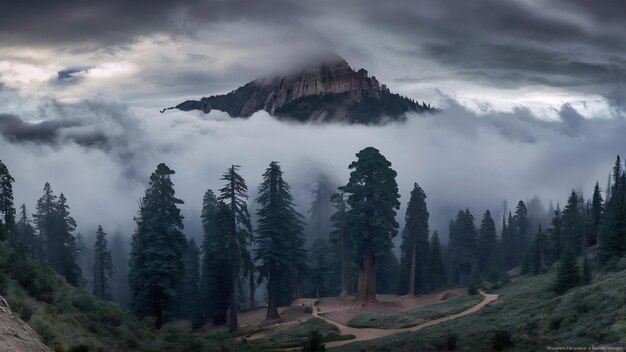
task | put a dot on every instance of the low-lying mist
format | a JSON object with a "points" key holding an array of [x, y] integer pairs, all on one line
{"points": [[102, 160]]}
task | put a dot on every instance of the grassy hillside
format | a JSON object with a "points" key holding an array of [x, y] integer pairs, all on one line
{"points": [[70, 319], [526, 317], [414, 316]]}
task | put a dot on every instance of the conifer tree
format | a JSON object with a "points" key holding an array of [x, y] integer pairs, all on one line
{"points": [[236, 227], [462, 248], [102, 266], [319, 267], [437, 276], [556, 236], [62, 244], [510, 243], [487, 244], [26, 237], [7, 209], [156, 264], [216, 273], [415, 240], [190, 290], [573, 223], [340, 236], [586, 275], [612, 232], [521, 231], [567, 275], [279, 237], [320, 210], [373, 199]]}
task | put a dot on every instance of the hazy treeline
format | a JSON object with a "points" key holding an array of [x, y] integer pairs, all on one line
{"points": [[350, 251]]}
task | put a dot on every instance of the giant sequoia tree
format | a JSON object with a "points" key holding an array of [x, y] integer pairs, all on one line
{"points": [[156, 258], [415, 240], [233, 223], [436, 272], [279, 237], [102, 266], [373, 199]]}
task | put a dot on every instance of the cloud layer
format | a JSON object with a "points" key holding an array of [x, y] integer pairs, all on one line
{"points": [[509, 53], [461, 159]]}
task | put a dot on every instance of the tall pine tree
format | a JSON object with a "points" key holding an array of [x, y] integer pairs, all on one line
{"points": [[340, 236], [236, 227], [7, 209], [156, 264], [102, 266], [437, 276], [279, 237], [612, 232], [462, 248], [486, 248], [415, 240], [373, 199], [573, 223]]}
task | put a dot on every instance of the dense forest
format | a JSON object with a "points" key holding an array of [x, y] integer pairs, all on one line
{"points": [[350, 252]]}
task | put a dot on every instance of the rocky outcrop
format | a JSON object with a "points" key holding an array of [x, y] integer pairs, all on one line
{"points": [[328, 90], [16, 335]]}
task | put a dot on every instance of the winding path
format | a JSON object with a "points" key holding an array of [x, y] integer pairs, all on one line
{"points": [[365, 334]]}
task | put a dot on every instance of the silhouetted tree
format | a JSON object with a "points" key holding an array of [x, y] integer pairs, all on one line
{"points": [[279, 237], [237, 229], [340, 236], [102, 266], [567, 275], [7, 209], [415, 240], [373, 199], [436, 276], [156, 259], [487, 244]]}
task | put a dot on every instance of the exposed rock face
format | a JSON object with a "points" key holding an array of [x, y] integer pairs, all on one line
{"points": [[15, 335], [329, 90]]}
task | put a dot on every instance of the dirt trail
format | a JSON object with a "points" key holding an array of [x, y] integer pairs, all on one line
{"points": [[365, 334]]}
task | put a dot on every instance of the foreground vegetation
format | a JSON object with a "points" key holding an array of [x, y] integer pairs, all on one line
{"points": [[295, 335], [414, 316], [528, 316], [70, 319]]}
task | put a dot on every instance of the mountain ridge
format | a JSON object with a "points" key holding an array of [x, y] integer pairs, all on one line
{"points": [[328, 90]]}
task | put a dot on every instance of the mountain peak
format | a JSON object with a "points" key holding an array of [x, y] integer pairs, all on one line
{"points": [[325, 88]]}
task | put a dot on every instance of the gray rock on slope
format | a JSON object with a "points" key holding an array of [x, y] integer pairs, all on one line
{"points": [[16, 335]]}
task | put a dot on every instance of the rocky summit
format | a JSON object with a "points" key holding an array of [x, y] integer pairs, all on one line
{"points": [[327, 90]]}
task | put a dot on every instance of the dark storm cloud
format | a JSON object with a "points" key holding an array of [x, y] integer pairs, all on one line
{"points": [[576, 45], [92, 23], [71, 73], [14, 129]]}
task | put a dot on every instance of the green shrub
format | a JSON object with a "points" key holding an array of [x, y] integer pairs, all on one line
{"points": [[4, 283], [451, 340], [501, 341], [79, 348], [44, 330]]}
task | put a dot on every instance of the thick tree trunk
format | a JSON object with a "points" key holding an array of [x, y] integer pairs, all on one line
{"points": [[252, 291], [412, 270], [272, 293], [367, 277], [345, 265], [295, 285], [232, 323]]}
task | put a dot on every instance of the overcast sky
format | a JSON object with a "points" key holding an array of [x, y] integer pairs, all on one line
{"points": [[532, 93]]}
